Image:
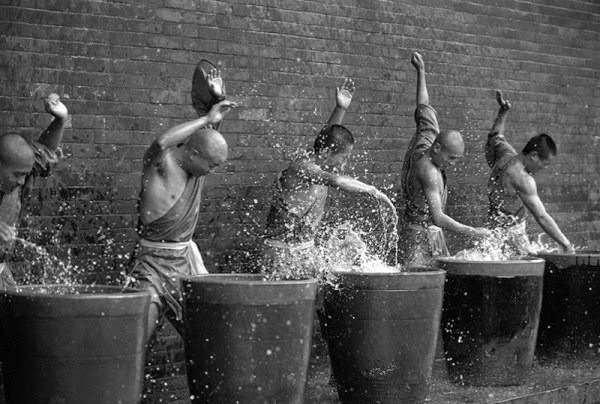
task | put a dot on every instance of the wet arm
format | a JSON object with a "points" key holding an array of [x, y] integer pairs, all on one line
{"points": [[342, 102], [315, 174], [52, 136], [529, 196], [180, 133], [496, 145], [432, 189], [500, 121], [422, 93]]}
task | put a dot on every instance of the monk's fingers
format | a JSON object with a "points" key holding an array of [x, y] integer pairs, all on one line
{"points": [[500, 98], [348, 85]]}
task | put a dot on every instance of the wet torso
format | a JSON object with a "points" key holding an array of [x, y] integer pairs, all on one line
{"points": [[416, 208], [169, 202], [298, 206]]}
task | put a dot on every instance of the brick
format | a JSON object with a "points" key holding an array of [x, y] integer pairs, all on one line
{"points": [[124, 69]]}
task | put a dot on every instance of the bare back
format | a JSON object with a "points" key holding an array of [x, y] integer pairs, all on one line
{"points": [[298, 205], [426, 184], [507, 180]]}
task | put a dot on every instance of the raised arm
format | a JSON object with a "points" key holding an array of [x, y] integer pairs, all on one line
{"points": [[499, 122], [422, 94], [52, 136], [496, 145], [432, 186], [527, 191], [179, 133], [342, 102]]}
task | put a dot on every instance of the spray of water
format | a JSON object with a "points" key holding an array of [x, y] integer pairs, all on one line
{"points": [[49, 269], [504, 245]]}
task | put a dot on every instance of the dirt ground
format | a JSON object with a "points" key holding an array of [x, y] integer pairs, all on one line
{"points": [[557, 380]]}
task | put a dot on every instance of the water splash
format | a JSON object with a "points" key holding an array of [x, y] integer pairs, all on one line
{"points": [[504, 245], [49, 269]]}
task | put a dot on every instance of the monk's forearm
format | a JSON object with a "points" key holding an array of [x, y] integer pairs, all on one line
{"points": [[422, 94], [337, 116], [52, 136], [180, 133], [499, 123], [548, 224]]}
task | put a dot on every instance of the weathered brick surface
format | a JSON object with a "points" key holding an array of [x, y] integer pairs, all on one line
{"points": [[124, 69]]}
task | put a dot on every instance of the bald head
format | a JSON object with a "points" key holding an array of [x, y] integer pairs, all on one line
{"points": [[205, 150], [209, 143], [451, 141], [16, 162], [447, 148], [15, 151]]}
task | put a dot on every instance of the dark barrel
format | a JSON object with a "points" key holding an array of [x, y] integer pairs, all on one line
{"points": [[73, 344], [570, 318], [490, 319], [247, 340], [381, 330]]}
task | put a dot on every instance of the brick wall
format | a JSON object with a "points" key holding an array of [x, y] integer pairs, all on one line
{"points": [[124, 69]]}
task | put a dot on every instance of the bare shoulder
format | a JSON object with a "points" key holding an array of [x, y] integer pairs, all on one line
{"points": [[427, 172], [521, 180], [157, 161], [304, 166]]}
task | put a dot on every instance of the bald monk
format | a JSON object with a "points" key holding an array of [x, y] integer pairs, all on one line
{"points": [[301, 192], [424, 188], [20, 163], [512, 190], [174, 169]]}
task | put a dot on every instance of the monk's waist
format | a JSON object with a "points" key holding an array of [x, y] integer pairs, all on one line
{"points": [[167, 245]]}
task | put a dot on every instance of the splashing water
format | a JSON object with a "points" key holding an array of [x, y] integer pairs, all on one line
{"points": [[345, 250], [505, 245], [53, 269]]}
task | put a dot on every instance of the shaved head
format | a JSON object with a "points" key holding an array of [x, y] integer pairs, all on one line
{"points": [[209, 143], [451, 141], [16, 162], [204, 151], [15, 151], [447, 148]]}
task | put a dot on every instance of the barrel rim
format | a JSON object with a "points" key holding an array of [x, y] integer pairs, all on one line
{"points": [[533, 260], [595, 254], [121, 292], [528, 266], [431, 272], [222, 279]]}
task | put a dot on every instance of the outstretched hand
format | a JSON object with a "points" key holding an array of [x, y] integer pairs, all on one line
{"points": [[55, 107], [344, 95], [218, 111], [417, 61], [504, 104], [383, 197], [215, 82]]}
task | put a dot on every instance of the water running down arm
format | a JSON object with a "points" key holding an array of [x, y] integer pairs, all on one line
{"points": [[315, 174]]}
